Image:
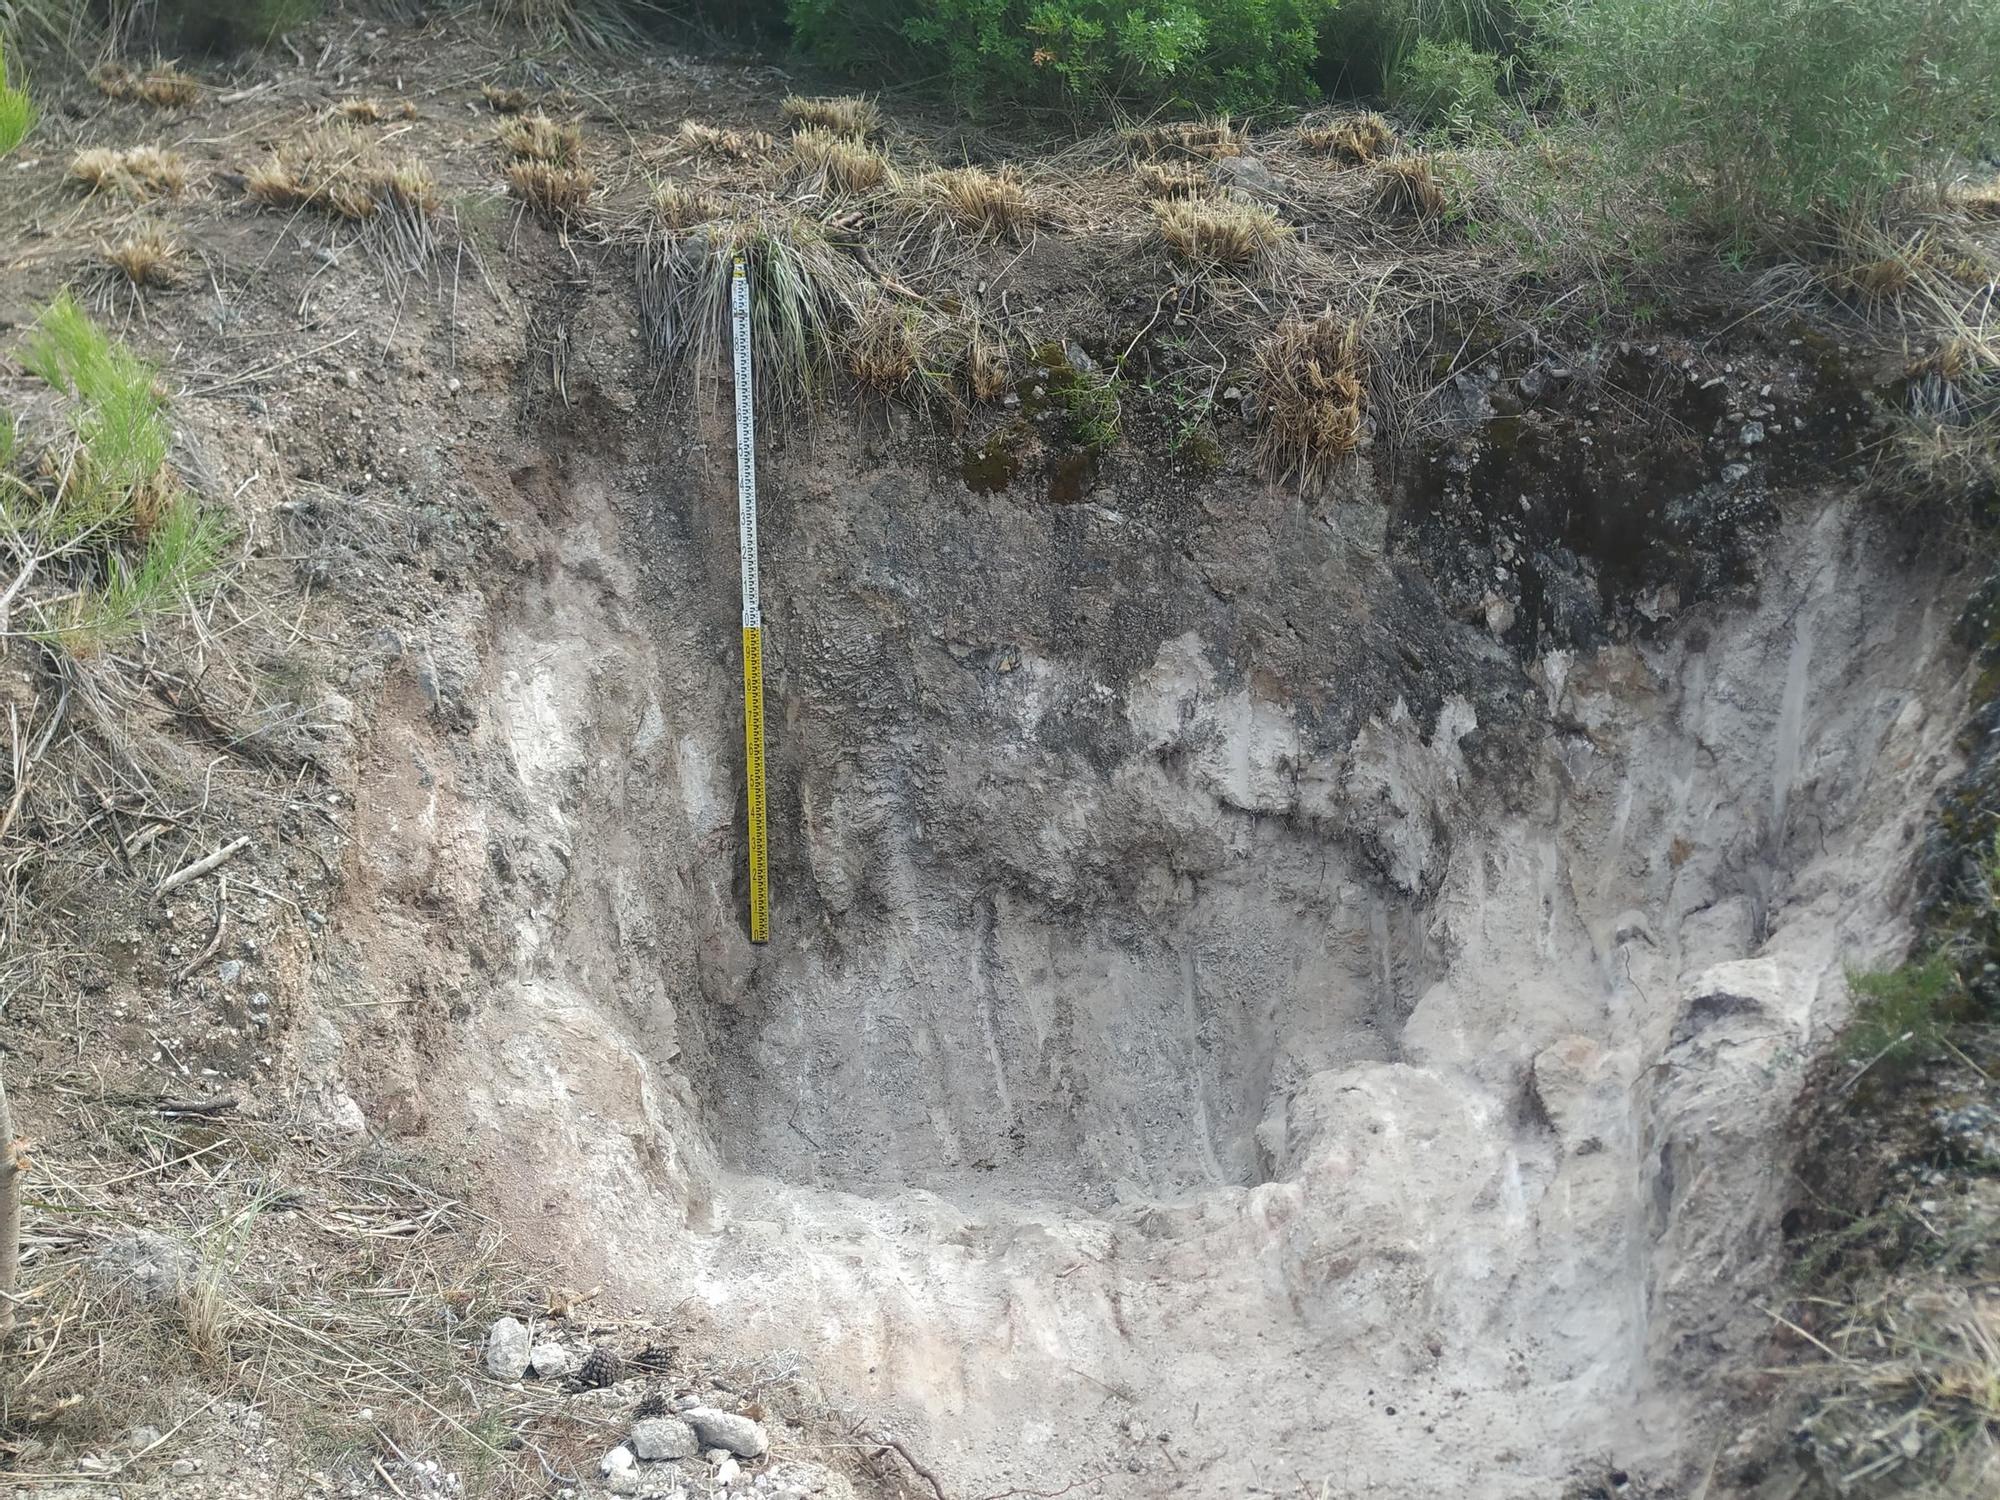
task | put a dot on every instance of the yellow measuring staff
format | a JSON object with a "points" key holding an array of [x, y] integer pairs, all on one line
{"points": [[753, 619]]}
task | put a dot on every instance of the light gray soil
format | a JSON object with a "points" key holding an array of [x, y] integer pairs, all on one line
{"points": [[1174, 1024]]}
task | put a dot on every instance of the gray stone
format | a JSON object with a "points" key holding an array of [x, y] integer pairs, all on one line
{"points": [[507, 1349], [229, 970], [1735, 473], [549, 1360], [1752, 434], [1246, 172], [687, 1403], [146, 1267], [663, 1437], [722, 1429], [624, 1482]]}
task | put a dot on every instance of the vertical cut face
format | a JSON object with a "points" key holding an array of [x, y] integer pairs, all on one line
{"points": [[1198, 969]]}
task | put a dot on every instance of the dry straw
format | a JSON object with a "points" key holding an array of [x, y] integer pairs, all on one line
{"points": [[1354, 139], [846, 115], [1310, 381], [1219, 232]]}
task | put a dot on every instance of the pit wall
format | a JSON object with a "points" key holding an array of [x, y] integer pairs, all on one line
{"points": [[1212, 992]]}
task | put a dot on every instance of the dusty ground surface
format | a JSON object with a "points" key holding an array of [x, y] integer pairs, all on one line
{"points": [[1270, 993]]}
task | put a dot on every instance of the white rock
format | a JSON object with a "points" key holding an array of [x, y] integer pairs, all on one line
{"points": [[663, 1437], [722, 1429], [549, 1360], [507, 1349], [617, 1461], [726, 1471], [624, 1482]]}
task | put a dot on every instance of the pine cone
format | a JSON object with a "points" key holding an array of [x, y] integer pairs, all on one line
{"points": [[599, 1369], [657, 1358], [653, 1405]]}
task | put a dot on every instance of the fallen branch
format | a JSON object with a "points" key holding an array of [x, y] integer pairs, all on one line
{"points": [[215, 938], [201, 867], [11, 1162], [918, 1469]]}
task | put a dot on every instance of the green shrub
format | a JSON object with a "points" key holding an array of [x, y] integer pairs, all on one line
{"points": [[17, 110], [1449, 83], [1754, 115], [1209, 54], [1364, 43], [1903, 1014], [104, 512], [230, 25]]}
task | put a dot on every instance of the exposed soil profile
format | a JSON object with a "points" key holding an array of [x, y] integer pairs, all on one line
{"points": [[1276, 987]]}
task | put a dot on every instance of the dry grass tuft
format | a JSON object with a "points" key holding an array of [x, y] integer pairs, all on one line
{"points": [[988, 369], [374, 111], [808, 293], [145, 258], [1219, 232], [504, 101], [1358, 139], [1406, 188], [558, 195], [885, 349], [676, 207], [343, 174], [164, 87], [538, 138], [838, 163], [981, 202], [407, 188], [713, 140], [843, 114], [1173, 179], [1956, 358], [1882, 278], [138, 172], [1204, 138], [1977, 200], [1309, 376]]}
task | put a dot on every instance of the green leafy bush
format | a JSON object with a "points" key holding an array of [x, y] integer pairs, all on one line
{"points": [[1754, 115], [1448, 83], [1212, 54], [1903, 1014], [1365, 43], [230, 25], [103, 515]]}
